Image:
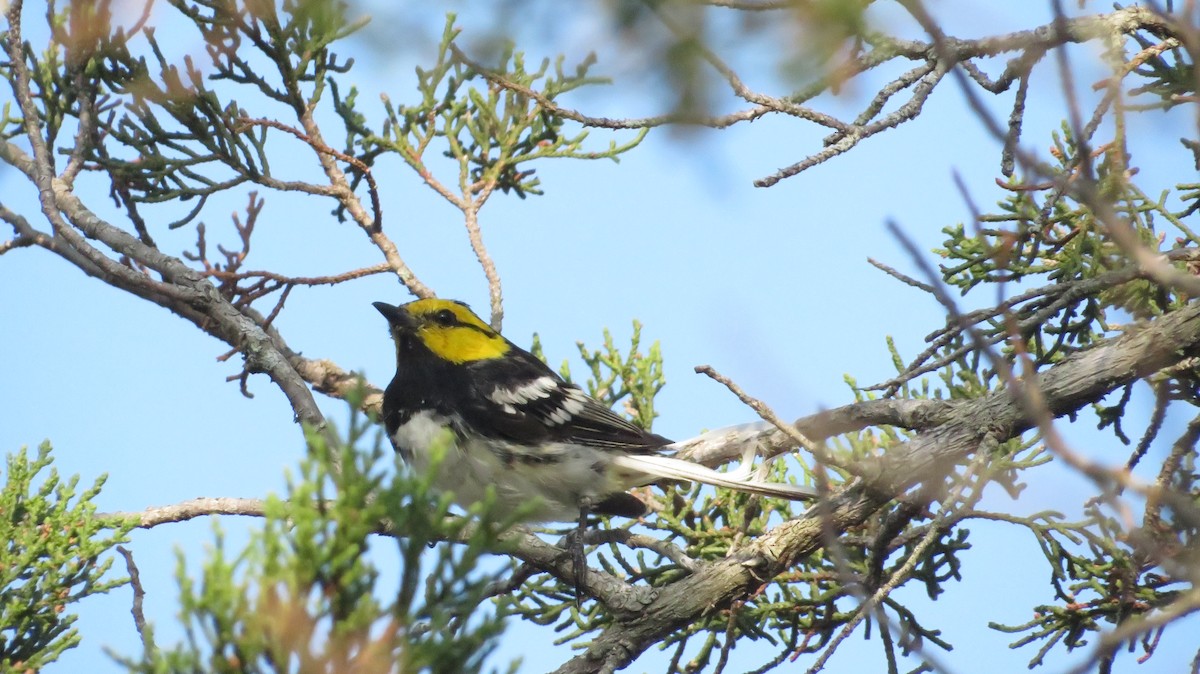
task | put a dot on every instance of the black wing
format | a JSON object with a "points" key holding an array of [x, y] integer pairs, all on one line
{"points": [[521, 400]]}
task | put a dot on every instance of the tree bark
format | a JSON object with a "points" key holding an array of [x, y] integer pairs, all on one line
{"points": [[1066, 388]]}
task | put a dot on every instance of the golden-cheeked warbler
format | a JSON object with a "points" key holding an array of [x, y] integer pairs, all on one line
{"points": [[509, 422]]}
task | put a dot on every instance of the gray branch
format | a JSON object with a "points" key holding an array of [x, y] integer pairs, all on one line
{"points": [[949, 433], [1067, 387]]}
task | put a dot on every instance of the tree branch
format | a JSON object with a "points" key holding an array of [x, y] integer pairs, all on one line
{"points": [[1077, 381]]}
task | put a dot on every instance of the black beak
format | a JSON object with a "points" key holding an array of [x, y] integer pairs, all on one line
{"points": [[394, 315]]}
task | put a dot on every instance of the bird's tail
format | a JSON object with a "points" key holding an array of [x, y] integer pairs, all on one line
{"points": [[669, 468]]}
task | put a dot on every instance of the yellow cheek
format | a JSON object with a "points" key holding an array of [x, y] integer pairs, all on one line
{"points": [[460, 345]]}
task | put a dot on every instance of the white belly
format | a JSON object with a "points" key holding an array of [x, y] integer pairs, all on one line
{"points": [[466, 472]]}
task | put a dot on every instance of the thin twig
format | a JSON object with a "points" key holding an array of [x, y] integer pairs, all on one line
{"points": [[372, 225], [475, 236], [907, 280], [770, 417], [632, 540], [508, 585], [331, 279], [902, 574], [716, 122], [616, 595], [1161, 401], [372, 188], [139, 594], [722, 445]]}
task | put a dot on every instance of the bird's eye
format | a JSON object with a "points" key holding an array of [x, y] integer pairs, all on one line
{"points": [[445, 317]]}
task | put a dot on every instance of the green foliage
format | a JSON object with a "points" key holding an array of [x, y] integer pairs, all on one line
{"points": [[1046, 233], [175, 131], [1066, 278], [1097, 578], [177, 134], [50, 558], [304, 593], [490, 131], [631, 378]]}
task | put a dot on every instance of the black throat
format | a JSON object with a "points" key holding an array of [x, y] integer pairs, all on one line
{"points": [[422, 382]]}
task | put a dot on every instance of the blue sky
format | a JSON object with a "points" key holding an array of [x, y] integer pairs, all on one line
{"points": [[769, 286]]}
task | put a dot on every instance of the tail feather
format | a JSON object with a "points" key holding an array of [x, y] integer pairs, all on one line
{"points": [[670, 468]]}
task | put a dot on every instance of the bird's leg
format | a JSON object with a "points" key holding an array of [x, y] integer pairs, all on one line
{"points": [[578, 552]]}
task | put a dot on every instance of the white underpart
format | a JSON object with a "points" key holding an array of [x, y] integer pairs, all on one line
{"points": [[421, 432], [467, 471], [579, 472]]}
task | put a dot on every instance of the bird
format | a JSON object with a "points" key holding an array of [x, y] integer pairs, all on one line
{"points": [[508, 422]]}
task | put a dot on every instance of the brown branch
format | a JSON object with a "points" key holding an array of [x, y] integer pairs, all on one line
{"points": [[1068, 386], [322, 148], [191, 509], [622, 599], [770, 417], [340, 189], [726, 444], [139, 595], [475, 237], [331, 279], [183, 290], [848, 140]]}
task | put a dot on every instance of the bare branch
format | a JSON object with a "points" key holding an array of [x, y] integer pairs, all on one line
{"points": [[716, 122], [937, 58], [916, 555], [183, 289], [319, 147], [475, 236], [191, 509], [723, 445], [770, 417], [139, 594], [1068, 386], [624, 600], [340, 188]]}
